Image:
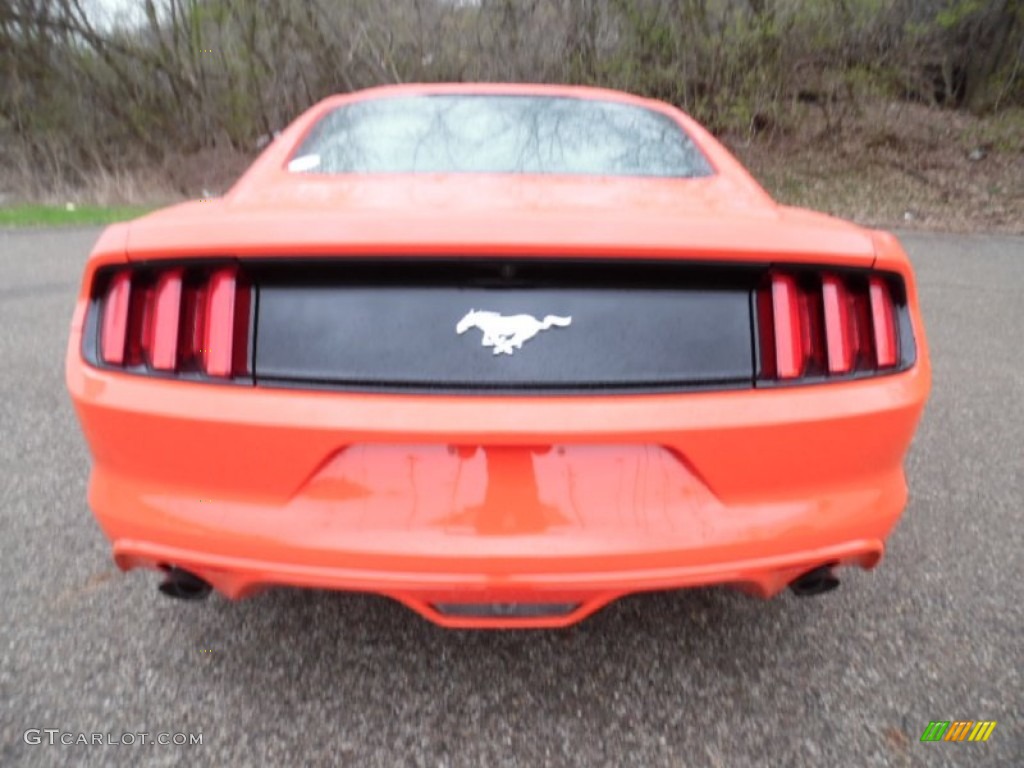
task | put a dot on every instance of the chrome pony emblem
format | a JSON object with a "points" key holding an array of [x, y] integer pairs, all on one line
{"points": [[507, 334]]}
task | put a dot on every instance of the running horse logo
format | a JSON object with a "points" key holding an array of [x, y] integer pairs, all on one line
{"points": [[507, 334]]}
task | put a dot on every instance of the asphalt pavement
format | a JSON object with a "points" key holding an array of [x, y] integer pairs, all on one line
{"points": [[699, 678]]}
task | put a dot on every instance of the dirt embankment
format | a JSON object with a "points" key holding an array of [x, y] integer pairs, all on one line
{"points": [[899, 165]]}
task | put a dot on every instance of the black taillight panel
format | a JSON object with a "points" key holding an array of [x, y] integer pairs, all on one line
{"points": [[387, 325]]}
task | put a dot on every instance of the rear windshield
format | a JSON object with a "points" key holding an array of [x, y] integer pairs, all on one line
{"points": [[498, 134]]}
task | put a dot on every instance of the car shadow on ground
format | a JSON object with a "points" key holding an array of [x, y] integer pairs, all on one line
{"points": [[714, 631]]}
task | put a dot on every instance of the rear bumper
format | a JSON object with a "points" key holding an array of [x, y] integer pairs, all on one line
{"points": [[581, 592], [438, 499]]}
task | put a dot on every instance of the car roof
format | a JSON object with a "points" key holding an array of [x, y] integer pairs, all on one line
{"points": [[492, 89]]}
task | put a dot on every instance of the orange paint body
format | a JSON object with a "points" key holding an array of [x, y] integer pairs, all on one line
{"points": [[440, 499]]}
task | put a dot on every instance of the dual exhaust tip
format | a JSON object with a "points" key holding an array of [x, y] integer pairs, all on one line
{"points": [[815, 582], [184, 585]]}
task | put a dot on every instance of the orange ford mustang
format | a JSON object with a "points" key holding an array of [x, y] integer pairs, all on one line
{"points": [[502, 353]]}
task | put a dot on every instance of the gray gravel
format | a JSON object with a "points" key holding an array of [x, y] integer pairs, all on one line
{"points": [[705, 677]]}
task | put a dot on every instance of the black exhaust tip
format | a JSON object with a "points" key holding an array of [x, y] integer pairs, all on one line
{"points": [[183, 585], [815, 582]]}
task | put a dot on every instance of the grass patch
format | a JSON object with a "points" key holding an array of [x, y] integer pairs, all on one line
{"points": [[59, 215]]}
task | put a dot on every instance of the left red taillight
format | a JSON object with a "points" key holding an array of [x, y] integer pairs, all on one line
{"points": [[177, 320], [115, 319], [164, 328]]}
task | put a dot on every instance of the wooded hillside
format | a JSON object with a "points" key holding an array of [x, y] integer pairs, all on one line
{"points": [[80, 95]]}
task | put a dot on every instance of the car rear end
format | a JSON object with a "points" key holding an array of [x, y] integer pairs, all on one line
{"points": [[283, 414]]}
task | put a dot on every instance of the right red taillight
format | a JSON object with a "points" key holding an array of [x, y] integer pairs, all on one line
{"points": [[883, 323], [177, 320], [822, 325], [790, 352]]}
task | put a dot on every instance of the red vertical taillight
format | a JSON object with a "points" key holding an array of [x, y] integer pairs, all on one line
{"points": [[839, 337], [219, 334], [163, 331], [883, 323], [114, 328], [794, 334], [789, 337]]}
